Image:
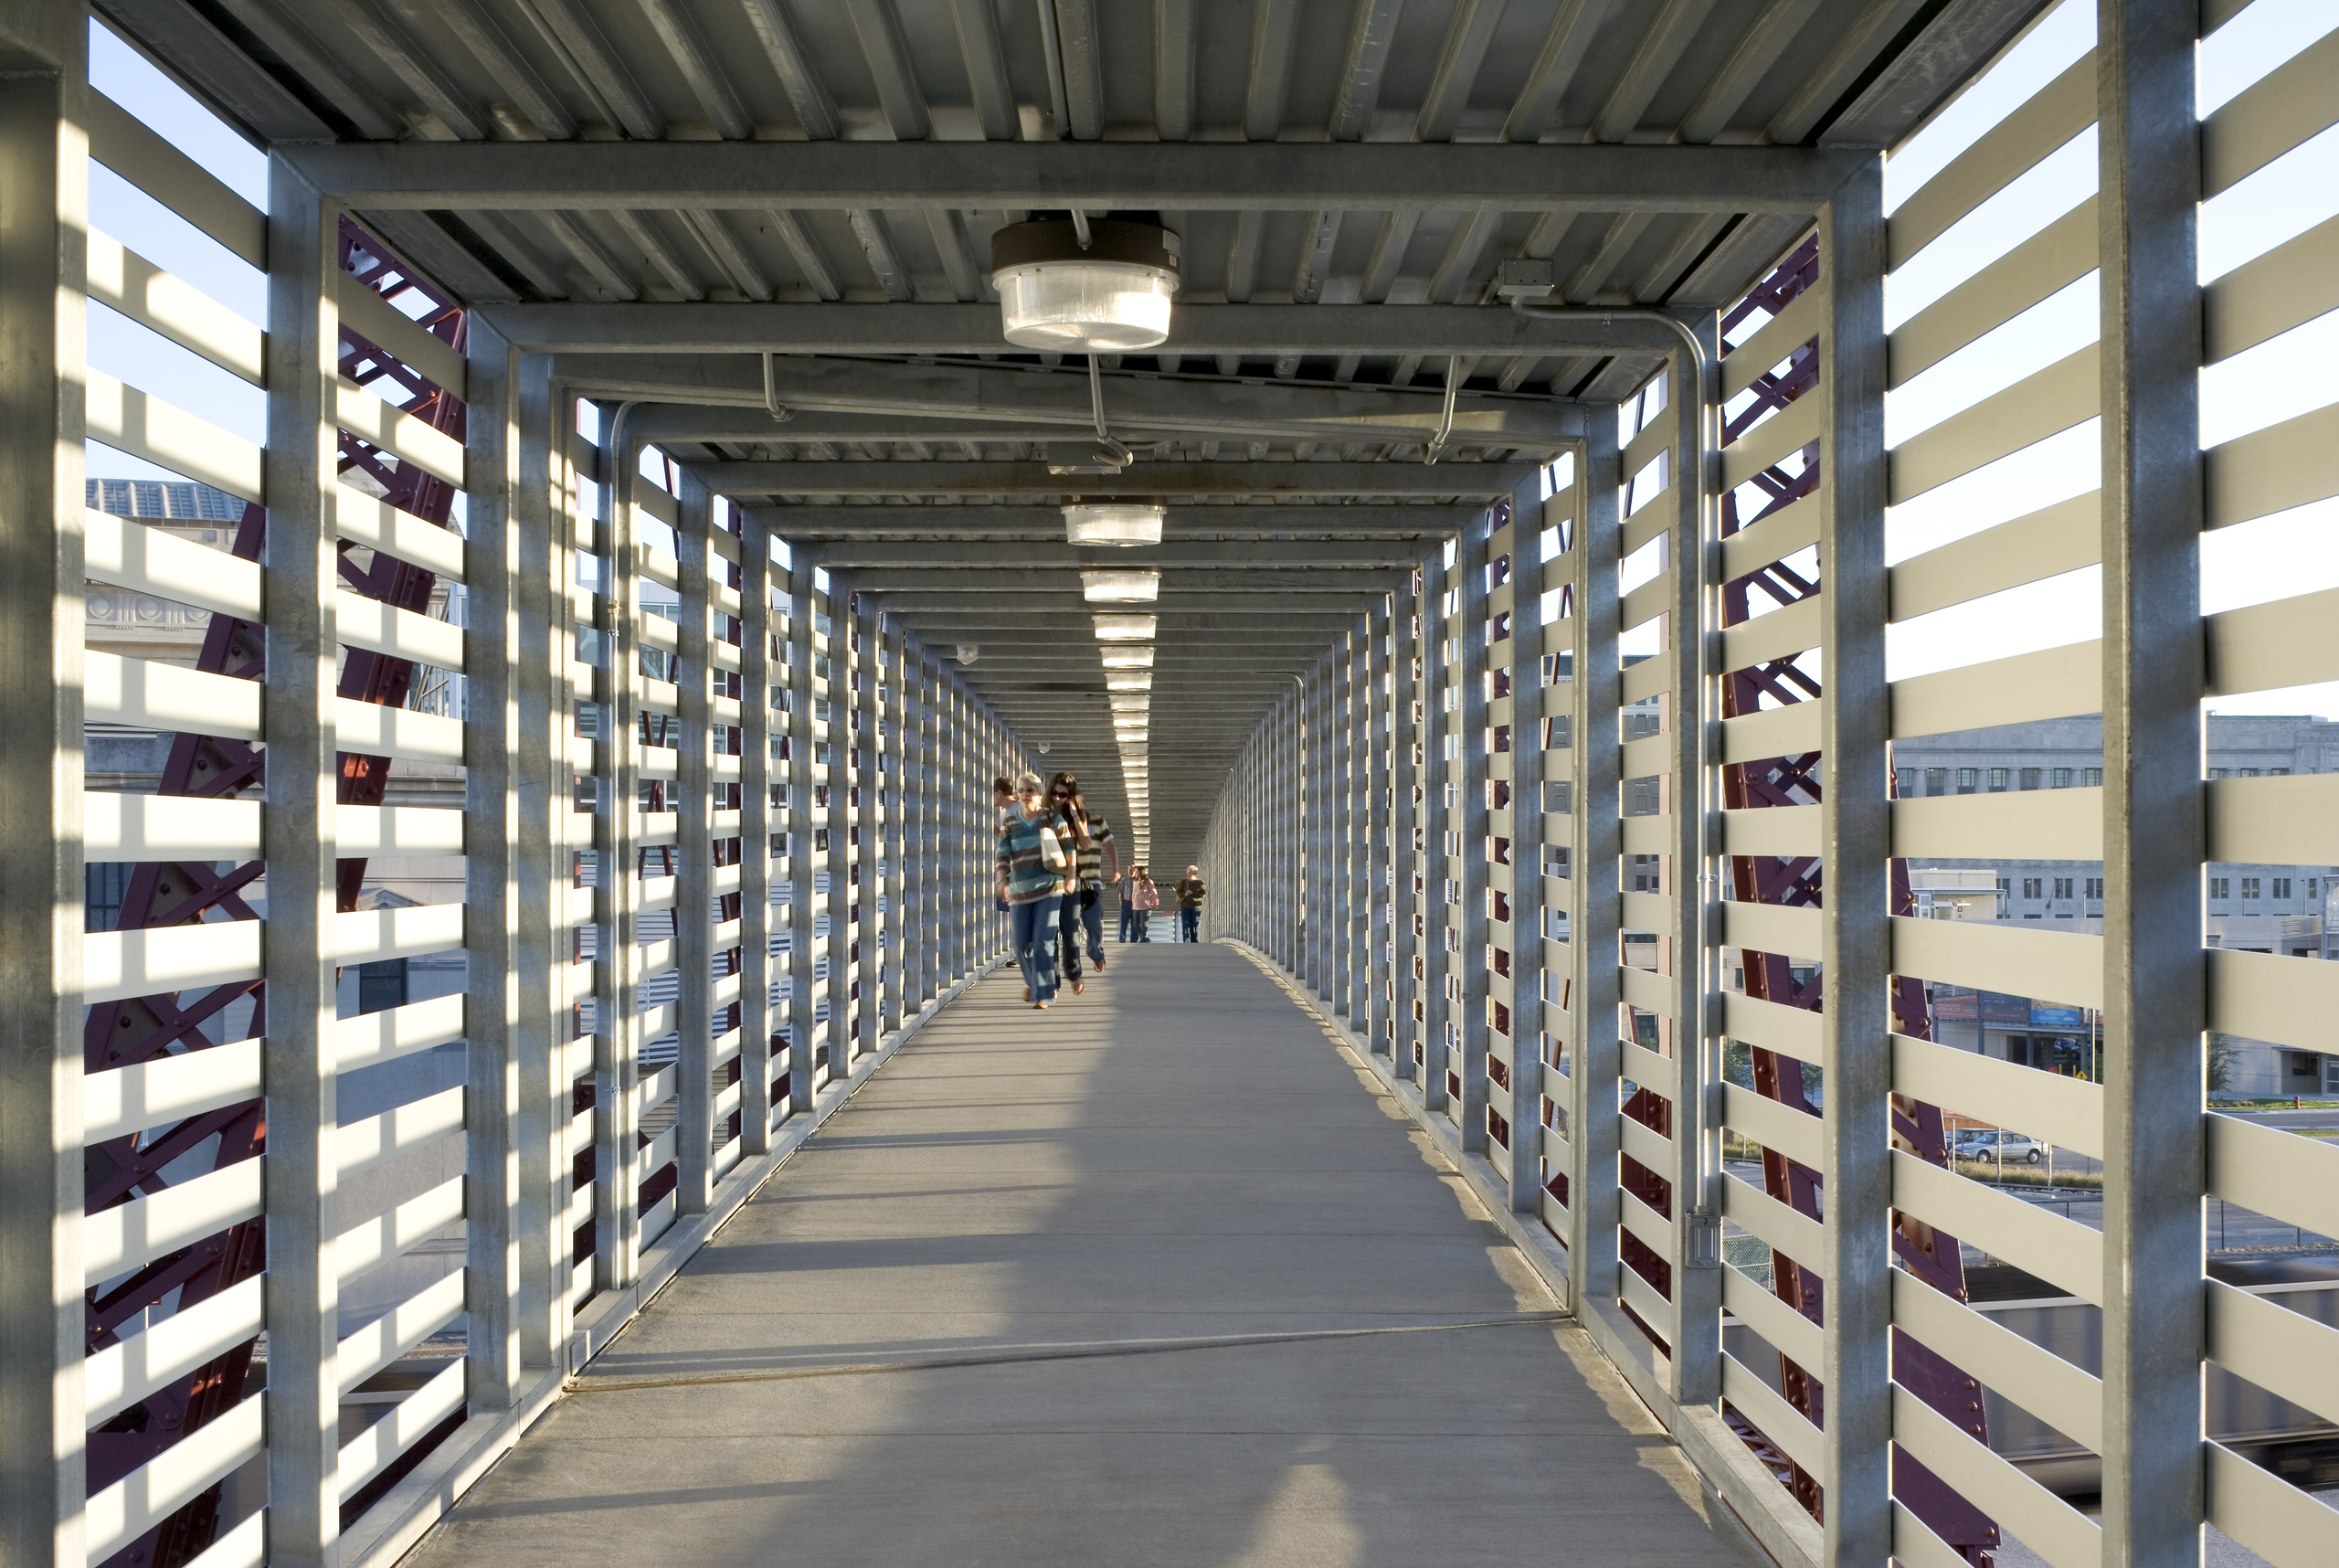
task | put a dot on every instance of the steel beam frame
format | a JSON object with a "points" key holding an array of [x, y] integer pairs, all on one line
{"points": [[1279, 177]]}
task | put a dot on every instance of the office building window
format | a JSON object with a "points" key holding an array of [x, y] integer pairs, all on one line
{"points": [[1904, 780], [2030, 779], [2278, 773], [2062, 779], [2062, 887], [2311, 886], [2095, 888], [2250, 887], [2281, 887], [2220, 772], [2217, 885], [2091, 776], [1936, 780], [2031, 887], [2245, 773], [1997, 777], [1967, 779]]}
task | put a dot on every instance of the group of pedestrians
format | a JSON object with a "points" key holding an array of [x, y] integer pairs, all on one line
{"points": [[1054, 858], [1140, 896]]}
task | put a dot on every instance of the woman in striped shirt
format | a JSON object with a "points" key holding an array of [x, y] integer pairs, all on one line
{"points": [[1032, 867]]}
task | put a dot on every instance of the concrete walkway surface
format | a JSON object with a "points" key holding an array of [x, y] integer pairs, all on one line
{"points": [[1155, 1276]]}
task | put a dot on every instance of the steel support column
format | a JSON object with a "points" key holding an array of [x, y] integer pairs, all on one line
{"points": [[2155, 978], [694, 868], [1468, 782], [1349, 900], [915, 921], [1856, 834], [837, 778], [1594, 844], [493, 868], [804, 833], [299, 1177], [1524, 1105], [1378, 783], [756, 835], [1691, 944], [1406, 904], [44, 228], [1439, 733], [617, 1042], [543, 646], [867, 760]]}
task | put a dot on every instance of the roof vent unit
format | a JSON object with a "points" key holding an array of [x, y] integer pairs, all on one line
{"points": [[1113, 522], [1073, 285]]}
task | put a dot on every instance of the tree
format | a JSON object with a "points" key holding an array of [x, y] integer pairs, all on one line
{"points": [[2221, 1062]]}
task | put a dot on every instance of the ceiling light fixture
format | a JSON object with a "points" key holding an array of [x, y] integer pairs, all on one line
{"points": [[1142, 586], [1129, 681], [1071, 285], [1113, 522], [1127, 657], [1125, 629]]}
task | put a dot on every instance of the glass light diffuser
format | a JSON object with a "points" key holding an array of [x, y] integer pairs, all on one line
{"points": [[1127, 658], [1141, 586], [1112, 523], [1134, 681], [1125, 629], [1084, 306]]}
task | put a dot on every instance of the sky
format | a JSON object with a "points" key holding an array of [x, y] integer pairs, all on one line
{"points": [[2273, 557]]}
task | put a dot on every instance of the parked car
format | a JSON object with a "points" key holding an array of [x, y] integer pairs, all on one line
{"points": [[1999, 1145]]}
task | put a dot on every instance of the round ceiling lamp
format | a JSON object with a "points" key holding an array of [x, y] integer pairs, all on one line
{"points": [[1121, 587], [1104, 291], [1113, 522], [1125, 629]]}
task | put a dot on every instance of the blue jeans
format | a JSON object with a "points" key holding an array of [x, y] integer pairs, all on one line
{"points": [[1129, 918], [1190, 922], [1079, 911], [1032, 937], [1092, 919]]}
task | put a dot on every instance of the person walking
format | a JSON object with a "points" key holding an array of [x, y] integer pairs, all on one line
{"points": [[1128, 891], [1068, 817], [1031, 866], [1145, 899], [1190, 893], [1003, 811], [1100, 863]]}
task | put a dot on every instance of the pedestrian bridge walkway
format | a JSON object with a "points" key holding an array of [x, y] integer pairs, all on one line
{"points": [[1160, 1276]]}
